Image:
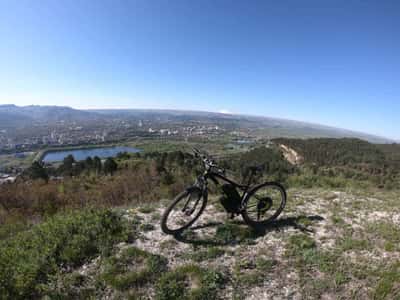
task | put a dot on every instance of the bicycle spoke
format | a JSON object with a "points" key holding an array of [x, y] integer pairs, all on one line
{"points": [[264, 203], [184, 211]]}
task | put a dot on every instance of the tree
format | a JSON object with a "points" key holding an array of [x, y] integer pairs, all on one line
{"points": [[97, 164], [37, 171], [123, 155], [110, 166], [89, 162], [167, 178], [66, 167], [69, 161]]}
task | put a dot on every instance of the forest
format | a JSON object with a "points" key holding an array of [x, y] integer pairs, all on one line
{"points": [[40, 210], [150, 176], [351, 159]]}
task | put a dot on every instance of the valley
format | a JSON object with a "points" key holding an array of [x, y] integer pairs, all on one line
{"points": [[88, 227]]}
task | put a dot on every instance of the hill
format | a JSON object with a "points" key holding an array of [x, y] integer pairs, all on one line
{"points": [[94, 232], [263, 126], [348, 158], [318, 249], [12, 116], [17, 116]]}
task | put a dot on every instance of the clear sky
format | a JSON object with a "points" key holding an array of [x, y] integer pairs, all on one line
{"points": [[330, 62]]}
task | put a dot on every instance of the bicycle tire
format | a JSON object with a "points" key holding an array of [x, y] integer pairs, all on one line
{"points": [[252, 192], [178, 198]]}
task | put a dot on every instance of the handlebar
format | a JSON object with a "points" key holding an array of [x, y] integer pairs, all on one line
{"points": [[207, 160]]}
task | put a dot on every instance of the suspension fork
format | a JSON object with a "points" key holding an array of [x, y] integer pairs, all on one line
{"points": [[201, 183], [245, 189]]}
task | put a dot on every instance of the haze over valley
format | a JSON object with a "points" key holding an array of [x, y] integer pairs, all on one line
{"points": [[199, 150], [35, 127]]}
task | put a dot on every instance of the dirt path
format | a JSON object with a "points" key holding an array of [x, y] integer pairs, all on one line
{"points": [[291, 155]]}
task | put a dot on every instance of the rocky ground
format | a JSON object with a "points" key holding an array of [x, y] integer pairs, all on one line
{"points": [[325, 245]]}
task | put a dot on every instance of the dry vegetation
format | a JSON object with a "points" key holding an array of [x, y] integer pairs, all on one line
{"points": [[330, 243], [326, 245]]}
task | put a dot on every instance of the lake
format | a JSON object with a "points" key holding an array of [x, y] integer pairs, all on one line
{"points": [[82, 154]]}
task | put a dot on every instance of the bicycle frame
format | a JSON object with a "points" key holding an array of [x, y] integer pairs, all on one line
{"points": [[246, 191], [214, 176], [202, 180]]}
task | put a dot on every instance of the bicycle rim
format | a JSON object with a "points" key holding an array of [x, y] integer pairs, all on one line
{"points": [[264, 203], [184, 211]]}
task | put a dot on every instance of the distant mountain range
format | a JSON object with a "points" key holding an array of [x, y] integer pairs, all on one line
{"points": [[19, 116], [12, 115]]}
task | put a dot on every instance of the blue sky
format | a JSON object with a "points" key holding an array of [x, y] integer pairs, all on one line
{"points": [[330, 62]]}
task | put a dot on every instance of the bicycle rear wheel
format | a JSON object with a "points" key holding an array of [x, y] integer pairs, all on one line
{"points": [[264, 203], [184, 210]]}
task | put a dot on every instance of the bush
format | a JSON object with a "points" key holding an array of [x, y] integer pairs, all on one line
{"points": [[70, 286], [231, 233], [387, 287], [133, 267], [200, 255], [30, 258], [189, 283]]}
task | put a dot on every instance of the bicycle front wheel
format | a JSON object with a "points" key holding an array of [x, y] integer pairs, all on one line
{"points": [[184, 210], [264, 203]]}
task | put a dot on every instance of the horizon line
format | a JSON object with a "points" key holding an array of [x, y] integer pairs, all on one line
{"points": [[220, 112]]}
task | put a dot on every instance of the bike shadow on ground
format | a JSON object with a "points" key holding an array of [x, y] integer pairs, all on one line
{"points": [[190, 236]]}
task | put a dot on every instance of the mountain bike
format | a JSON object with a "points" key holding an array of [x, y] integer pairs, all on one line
{"points": [[258, 204]]}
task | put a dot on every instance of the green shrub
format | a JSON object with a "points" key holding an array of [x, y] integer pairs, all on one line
{"points": [[303, 250], [300, 243], [70, 286], [133, 267], [146, 227], [234, 233], [349, 243], [30, 258], [189, 283], [206, 254], [265, 265], [146, 209], [387, 287]]}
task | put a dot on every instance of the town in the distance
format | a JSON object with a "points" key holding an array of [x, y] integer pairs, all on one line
{"points": [[27, 133]]}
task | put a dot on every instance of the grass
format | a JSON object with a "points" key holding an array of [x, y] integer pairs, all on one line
{"points": [[11, 161], [265, 265], [300, 243], [385, 230], [147, 209], [248, 273], [155, 217], [388, 284], [349, 243], [146, 227], [11, 228], [205, 254], [70, 286], [168, 244], [302, 250], [304, 221], [337, 220], [32, 257], [133, 267], [340, 258], [189, 282], [231, 233]]}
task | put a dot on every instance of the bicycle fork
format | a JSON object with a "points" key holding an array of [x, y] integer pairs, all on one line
{"points": [[202, 184]]}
